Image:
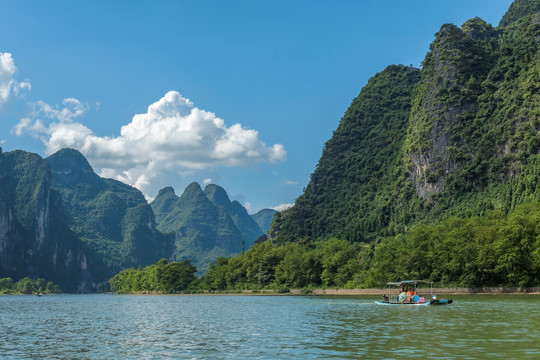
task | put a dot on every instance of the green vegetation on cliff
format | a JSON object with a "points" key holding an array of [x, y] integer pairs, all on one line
{"points": [[35, 239], [113, 220], [458, 138], [351, 191], [518, 10]]}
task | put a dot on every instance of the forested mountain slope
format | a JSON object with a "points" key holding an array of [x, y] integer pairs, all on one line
{"points": [[352, 188], [249, 229], [113, 220], [457, 138], [203, 223]]}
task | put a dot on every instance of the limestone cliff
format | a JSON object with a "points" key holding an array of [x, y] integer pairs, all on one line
{"points": [[35, 239]]}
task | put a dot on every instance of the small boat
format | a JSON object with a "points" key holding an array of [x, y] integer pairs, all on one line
{"points": [[409, 296]]}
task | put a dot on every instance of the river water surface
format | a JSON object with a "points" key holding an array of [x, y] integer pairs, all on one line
{"points": [[266, 327]]}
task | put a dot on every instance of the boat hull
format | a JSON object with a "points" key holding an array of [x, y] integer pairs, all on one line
{"points": [[432, 302], [406, 304]]}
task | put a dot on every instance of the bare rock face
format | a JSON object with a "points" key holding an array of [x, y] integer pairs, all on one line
{"points": [[447, 94], [11, 237]]}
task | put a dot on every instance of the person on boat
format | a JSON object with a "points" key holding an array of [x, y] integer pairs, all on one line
{"points": [[402, 296], [410, 295]]}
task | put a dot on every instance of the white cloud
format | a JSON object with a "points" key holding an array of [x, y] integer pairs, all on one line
{"points": [[7, 69], [248, 207], [71, 109], [27, 124], [207, 181], [282, 207], [7, 82], [290, 182], [173, 135], [21, 87]]}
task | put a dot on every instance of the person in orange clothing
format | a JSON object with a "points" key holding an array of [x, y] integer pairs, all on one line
{"points": [[410, 295]]}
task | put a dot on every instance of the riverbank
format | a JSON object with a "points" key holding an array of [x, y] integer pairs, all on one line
{"points": [[445, 291], [347, 292]]}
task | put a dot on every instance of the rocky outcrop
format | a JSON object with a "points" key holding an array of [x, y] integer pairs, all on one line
{"points": [[447, 98]]}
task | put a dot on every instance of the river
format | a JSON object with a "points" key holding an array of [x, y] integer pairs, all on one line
{"points": [[266, 327]]}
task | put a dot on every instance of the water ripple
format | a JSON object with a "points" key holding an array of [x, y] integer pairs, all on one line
{"points": [[264, 327]]}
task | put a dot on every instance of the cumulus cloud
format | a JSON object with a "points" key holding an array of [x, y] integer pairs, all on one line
{"points": [[172, 135], [7, 69], [7, 83], [282, 207]]}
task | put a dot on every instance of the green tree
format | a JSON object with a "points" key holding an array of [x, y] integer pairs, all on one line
{"points": [[177, 276], [26, 286], [6, 284]]}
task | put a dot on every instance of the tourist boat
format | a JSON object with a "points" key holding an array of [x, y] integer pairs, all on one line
{"points": [[414, 299]]}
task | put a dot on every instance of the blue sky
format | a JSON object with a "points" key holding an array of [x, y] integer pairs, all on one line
{"points": [[239, 93]]}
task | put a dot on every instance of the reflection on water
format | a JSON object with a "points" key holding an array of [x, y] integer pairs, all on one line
{"points": [[265, 327]]}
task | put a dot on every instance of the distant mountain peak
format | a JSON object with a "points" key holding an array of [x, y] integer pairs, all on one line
{"points": [[68, 161], [193, 188], [519, 10], [263, 218], [165, 191], [478, 29], [217, 194]]}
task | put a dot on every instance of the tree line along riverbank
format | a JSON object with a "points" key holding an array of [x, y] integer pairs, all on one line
{"points": [[28, 286], [490, 251], [354, 292]]}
